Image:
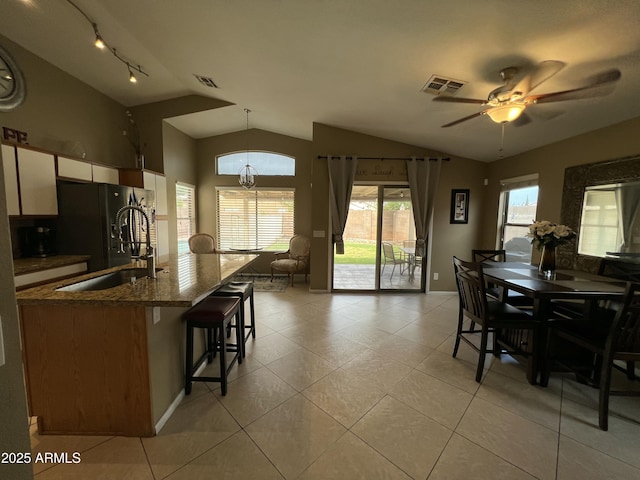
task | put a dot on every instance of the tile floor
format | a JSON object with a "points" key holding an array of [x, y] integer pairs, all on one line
{"points": [[364, 387]]}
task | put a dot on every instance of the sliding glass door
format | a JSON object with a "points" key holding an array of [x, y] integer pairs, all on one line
{"points": [[379, 242]]}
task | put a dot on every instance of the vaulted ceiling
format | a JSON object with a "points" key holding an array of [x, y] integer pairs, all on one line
{"points": [[354, 64]]}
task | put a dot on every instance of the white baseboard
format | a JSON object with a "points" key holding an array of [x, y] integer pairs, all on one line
{"points": [[176, 402]]}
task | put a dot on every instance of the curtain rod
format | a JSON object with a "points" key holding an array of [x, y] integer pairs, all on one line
{"points": [[324, 157]]}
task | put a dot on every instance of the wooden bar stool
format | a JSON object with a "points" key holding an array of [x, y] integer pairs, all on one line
{"points": [[214, 315], [243, 291]]}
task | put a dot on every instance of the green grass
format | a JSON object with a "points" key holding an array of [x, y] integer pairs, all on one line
{"points": [[357, 254]]}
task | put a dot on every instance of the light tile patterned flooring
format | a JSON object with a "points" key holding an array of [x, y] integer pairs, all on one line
{"points": [[364, 387]]}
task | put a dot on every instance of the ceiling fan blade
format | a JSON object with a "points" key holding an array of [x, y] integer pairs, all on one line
{"points": [[598, 86], [541, 73], [459, 100], [464, 119]]}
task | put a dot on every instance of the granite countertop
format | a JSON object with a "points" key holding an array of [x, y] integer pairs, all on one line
{"points": [[30, 265], [184, 281]]}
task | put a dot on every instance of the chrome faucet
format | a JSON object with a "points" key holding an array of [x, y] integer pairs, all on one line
{"points": [[148, 256]]}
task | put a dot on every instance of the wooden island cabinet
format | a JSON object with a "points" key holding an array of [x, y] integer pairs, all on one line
{"points": [[111, 362]]}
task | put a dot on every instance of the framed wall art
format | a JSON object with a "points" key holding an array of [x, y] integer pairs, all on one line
{"points": [[459, 206]]}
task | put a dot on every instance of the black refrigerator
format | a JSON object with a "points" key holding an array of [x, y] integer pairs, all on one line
{"points": [[87, 222]]}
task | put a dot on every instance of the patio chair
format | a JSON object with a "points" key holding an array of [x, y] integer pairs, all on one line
{"points": [[415, 261], [389, 256]]}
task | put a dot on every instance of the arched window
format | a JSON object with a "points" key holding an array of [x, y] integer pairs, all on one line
{"points": [[265, 163]]}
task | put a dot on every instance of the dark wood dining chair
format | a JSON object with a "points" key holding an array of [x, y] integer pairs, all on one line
{"points": [[491, 315], [514, 298], [628, 272], [605, 342], [614, 268]]}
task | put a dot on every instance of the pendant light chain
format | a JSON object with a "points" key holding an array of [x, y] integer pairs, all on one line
{"points": [[502, 143], [248, 174]]}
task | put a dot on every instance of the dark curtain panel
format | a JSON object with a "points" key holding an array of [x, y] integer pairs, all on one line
{"points": [[423, 182], [342, 171]]}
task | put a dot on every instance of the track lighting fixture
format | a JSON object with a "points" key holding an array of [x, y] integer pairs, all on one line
{"points": [[100, 43]]}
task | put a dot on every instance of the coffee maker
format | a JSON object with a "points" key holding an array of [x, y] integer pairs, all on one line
{"points": [[37, 241]]}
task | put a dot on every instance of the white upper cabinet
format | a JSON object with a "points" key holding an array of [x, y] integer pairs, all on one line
{"points": [[157, 183], [10, 179], [162, 240], [105, 175], [161, 195], [37, 174], [74, 169]]}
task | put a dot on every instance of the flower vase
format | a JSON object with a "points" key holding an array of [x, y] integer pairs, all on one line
{"points": [[547, 265], [140, 161]]}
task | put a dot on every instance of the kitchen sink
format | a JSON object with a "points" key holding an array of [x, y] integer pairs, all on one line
{"points": [[108, 280]]}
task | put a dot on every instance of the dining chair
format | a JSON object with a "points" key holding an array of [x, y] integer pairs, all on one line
{"points": [[202, 243], [627, 272], [499, 255], [389, 256], [570, 309], [492, 316], [606, 342]]}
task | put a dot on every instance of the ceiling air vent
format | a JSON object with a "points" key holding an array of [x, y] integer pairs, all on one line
{"points": [[206, 81], [439, 85]]}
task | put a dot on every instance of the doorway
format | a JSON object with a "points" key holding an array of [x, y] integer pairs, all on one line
{"points": [[379, 243]]}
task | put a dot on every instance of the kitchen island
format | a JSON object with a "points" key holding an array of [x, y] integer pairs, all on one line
{"points": [[111, 362]]}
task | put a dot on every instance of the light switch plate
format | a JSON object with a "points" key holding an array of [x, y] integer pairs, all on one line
{"points": [[318, 233], [1, 345]]}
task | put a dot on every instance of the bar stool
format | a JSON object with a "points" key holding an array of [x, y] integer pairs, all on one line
{"points": [[214, 315], [243, 291]]}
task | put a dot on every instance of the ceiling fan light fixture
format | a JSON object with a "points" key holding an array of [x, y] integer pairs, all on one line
{"points": [[505, 113]]}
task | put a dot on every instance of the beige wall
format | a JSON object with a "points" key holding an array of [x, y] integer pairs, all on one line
{"points": [[549, 162], [180, 165], [448, 239], [62, 114], [149, 118], [254, 139]]}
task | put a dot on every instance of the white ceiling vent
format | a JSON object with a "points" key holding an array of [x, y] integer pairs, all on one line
{"points": [[439, 85], [206, 81]]}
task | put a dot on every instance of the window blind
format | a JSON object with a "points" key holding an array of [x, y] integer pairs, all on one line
{"points": [[255, 219], [516, 183], [186, 214]]}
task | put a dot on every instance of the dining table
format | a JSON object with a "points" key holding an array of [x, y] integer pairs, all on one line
{"points": [[543, 289], [410, 253]]}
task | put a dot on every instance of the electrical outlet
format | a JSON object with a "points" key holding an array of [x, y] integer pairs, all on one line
{"points": [[435, 276], [1, 345]]}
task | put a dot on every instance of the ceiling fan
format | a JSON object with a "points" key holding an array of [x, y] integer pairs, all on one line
{"points": [[508, 102]]}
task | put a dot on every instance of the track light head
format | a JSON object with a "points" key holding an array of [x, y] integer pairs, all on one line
{"points": [[99, 43]]}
